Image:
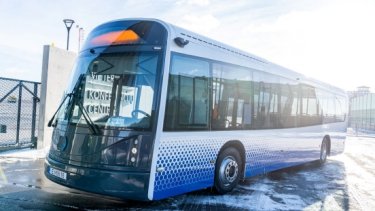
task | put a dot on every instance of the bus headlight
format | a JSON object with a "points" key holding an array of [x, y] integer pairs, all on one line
{"points": [[134, 150]]}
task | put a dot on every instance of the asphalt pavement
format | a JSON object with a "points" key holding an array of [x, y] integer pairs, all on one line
{"points": [[344, 182]]}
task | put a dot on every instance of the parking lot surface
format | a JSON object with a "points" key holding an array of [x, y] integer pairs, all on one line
{"points": [[345, 182]]}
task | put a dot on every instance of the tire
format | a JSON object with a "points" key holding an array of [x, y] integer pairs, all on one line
{"points": [[228, 170], [323, 151]]}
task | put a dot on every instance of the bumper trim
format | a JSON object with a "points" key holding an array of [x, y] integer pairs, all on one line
{"points": [[125, 185]]}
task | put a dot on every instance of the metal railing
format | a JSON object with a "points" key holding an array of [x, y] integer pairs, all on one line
{"points": [[362, 114], [18, 113]]}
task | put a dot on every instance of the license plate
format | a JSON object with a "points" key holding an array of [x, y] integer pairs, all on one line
{"points": [[57, 173]]}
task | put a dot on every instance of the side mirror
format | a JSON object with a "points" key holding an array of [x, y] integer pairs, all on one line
{"points": [[181, 42]]}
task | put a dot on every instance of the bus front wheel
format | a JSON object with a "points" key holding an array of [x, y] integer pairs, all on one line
{"points": [[227, 170]]}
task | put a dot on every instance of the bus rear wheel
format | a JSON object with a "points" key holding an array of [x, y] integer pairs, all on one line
{"points": [[227, 170], [323, 151]]}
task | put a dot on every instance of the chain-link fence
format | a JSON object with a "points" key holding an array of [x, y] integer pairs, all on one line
{"points": [[18, 113]]}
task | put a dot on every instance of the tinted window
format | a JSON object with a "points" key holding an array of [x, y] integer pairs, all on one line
{"points": [[116, 90], [333, 108], [289, 103], [205, 95], [188, 94], [339, 115], [309, 106], [232, 91], [266, 101]]}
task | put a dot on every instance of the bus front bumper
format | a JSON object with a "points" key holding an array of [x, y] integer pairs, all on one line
{"points": [[125, 185]]}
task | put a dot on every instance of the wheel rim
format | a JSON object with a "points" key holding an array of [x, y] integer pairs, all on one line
{"points": [[228, 171], [323, 154]]}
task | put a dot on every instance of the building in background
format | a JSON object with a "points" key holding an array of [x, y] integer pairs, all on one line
{"points": [[361, 90], [362, 110]]}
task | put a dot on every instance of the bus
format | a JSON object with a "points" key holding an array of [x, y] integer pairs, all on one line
{"points": [[153, 111]]}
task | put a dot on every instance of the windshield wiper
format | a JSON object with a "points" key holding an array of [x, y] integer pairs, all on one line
{"points": [[79, 80], [58, 109], [93, 127]]}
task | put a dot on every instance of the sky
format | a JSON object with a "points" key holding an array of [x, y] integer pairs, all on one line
{"points": [[330, 40]]}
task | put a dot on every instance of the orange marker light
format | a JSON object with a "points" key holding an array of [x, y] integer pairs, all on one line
{"points": [[116, 38]]}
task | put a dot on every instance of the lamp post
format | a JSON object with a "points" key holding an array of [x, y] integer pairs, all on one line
{"points": [[68, 23]]}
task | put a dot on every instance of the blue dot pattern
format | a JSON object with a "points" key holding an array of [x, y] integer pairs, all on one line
{"points": [[189, 162]]}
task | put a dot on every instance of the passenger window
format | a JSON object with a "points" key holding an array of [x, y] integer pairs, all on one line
{"points": [[340, 109], [289, 103], [310, 107], [266, 101], [236, 98], [231, 97], [188, 95]]}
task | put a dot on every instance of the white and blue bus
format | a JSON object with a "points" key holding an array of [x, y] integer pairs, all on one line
{"points": [[153, 110]]}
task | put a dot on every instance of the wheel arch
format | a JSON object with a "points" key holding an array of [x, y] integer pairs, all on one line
{"points": [[241, 149]]}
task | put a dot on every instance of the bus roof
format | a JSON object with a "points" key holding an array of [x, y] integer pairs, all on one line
{"points": [[205, 47]]}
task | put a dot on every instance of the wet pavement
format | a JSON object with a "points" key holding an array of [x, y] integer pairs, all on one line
{"points": [[345, 182]]}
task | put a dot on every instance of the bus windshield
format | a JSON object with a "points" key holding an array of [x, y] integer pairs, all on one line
{"points": [[116, 90]]}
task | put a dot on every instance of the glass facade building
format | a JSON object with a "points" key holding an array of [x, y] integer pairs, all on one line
{"points": [[362, 113]]}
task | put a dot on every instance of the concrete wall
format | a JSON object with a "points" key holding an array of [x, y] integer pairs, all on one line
{"points": [[56, 68]]}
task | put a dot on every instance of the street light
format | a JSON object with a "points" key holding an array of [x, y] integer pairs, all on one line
{"points": [[68, 23]]}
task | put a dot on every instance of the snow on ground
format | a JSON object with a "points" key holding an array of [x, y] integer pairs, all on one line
{"points": [[344, 182], [25, 153], [359, 159]]}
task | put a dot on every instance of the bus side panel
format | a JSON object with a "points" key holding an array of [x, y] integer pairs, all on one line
{"points": [[338, 137], [186, 161], [297, 145], [184, 164], [281, 148]]}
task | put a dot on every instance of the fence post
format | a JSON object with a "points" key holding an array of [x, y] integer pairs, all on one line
{"points": [[35, 100], [19, 112]]}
